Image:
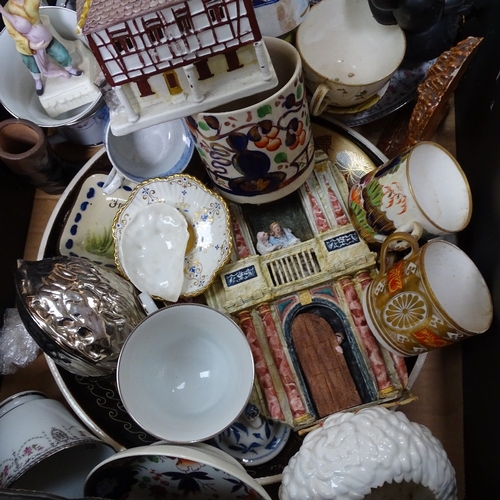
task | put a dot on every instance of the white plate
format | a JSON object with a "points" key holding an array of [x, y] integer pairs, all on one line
{"points": [[88, 228], [208, 220]]}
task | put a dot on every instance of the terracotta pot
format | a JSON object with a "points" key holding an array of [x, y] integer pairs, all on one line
{"points": [[24, 149]]}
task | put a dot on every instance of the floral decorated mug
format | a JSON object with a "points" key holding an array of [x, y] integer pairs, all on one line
{"points": [[423, 190], [434, 297], [260, 149]]}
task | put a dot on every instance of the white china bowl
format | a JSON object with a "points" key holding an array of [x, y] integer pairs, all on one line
{"points": [[156, 151], [375, 453], [185, 373], [17, 88], [197, 471], [208, 221]]}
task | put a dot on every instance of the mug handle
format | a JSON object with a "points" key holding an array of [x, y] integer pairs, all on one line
{"points": [[413, 228], [318, 104], [147, 303], [407, 238]]}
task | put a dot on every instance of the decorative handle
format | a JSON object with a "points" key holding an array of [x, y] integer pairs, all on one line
{"points": [[318, 104], [386, 246]]}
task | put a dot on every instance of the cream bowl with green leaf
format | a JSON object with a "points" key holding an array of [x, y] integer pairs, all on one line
{"points": [[87, 231]]}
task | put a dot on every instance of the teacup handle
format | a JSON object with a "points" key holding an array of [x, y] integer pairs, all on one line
{"points": [[147, 303], [386, 246], [113, 182], [318, 104]]}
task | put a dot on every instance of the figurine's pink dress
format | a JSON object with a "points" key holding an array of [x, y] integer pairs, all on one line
{"points": [[39, 37]]}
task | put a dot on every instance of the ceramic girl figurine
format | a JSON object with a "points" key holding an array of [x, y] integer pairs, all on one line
{"points": [[35, 42]]}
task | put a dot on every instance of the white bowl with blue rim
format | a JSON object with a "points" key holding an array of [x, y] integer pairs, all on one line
{"points": [[152, 152]]}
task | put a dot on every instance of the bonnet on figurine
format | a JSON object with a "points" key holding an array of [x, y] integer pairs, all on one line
{"points": [[78, 313]]}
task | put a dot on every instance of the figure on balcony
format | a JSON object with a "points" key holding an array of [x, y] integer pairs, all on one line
{"points": [[281, 235], [264, 246], [39, 50]]}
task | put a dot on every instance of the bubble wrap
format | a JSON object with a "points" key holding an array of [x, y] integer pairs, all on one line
{"points": [[17, 347]]}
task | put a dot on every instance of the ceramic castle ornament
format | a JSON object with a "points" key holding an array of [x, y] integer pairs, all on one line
{"points": [[168, 59], [52, 61], [375, 453]]}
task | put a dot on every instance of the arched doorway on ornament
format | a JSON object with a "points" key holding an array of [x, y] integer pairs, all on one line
{"points": [[328, 360]]}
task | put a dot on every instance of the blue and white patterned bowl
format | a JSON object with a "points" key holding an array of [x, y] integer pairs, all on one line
{"points": [[157, 151]]}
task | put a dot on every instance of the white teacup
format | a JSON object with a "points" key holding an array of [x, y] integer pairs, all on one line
{"points": [[185, 373], [348, 57], [44, 448]]}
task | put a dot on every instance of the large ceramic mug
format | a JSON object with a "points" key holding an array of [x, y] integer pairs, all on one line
{"points": [[348, 57], [43, 447], [260, 148], [422, 190], [434, 297]]}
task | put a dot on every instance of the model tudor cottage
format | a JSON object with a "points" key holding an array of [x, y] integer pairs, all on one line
{"points": [[165, 59]]}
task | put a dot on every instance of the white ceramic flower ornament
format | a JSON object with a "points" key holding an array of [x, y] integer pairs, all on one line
{"points": [[376, 454]]}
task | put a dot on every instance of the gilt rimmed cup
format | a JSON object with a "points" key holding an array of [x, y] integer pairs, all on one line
{"points": [[423, 191], [348, 57], [432, 298], [185, 373]]}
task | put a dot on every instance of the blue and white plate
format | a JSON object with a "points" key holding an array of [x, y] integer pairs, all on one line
{"points": [[253, 440]]}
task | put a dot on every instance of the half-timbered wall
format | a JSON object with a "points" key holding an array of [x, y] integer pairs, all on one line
{"points": [[171, 38]]}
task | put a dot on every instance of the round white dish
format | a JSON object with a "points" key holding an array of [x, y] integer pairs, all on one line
{"points": [[208, 221], [17, 88]]}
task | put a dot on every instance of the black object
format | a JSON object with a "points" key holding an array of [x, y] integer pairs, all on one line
{"points": [[477, 106], [427, 45], [383, 16], [418, 15]]}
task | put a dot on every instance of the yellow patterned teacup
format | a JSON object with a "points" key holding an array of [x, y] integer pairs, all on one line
{"points": [[433, 297]]}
